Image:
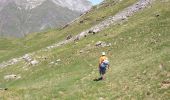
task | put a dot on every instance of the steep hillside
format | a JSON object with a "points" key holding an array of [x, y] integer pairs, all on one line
{"points": [[36, 41], [139, 58]]}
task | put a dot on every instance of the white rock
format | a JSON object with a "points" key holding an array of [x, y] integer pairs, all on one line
{"points": [[81, 51], [14, 60], [110, 44], [34, 62], [52, 62], [27, 57], [10, 77], [96, 30], [101, 98], [58, 60], [18, 77]]}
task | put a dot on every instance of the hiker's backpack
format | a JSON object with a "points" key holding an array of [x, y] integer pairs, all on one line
{"points": [[105, 63]]}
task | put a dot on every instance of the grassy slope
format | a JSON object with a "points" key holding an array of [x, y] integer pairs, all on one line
{"points": [[37, 41], [139, 47]]}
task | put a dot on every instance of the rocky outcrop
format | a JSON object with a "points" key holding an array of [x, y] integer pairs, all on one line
{"points": [[10, 62], [27, 58], [113, 20]]}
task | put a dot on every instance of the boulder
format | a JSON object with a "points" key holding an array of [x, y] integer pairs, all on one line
{"points": [[109, 44], [77, 38], [101, 44], [81, 21], [68, 37], [81, 51], [90, 31], [14, 60], [98, 43], [96, 30], [101, 98], [52, 62], [34, 62], [10, 77], [157, 15], [124, 17], [50, 47], [27, 57], [58, 60]]}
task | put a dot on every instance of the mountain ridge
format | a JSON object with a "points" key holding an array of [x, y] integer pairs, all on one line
{"points": [[83, 6], [21, 17]]}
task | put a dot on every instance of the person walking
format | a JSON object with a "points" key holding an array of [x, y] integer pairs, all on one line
{"points": [[103, 65]]}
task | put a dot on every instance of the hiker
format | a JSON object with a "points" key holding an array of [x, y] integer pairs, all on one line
{"points": [[103, 64]]}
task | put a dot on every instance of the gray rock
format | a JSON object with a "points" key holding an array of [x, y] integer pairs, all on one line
{"points": [[108, 45], [27, 57], [96, 30], [98, 43], [102, 44], [81, 21], [77, 38], [69, 37]]}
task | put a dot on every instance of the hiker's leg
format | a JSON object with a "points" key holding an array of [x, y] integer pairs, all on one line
{"points": [[103, 73], [100, 73]]}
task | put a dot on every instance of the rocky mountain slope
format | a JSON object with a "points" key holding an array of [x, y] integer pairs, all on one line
{"points": [[62, 63], [113, 20], [20, 17]]}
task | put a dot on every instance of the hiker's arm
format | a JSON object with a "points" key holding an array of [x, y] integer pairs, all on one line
{"points": [[99, 65], [108, 66]]}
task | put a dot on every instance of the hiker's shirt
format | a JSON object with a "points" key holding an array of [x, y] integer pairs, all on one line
{"points": [[102, 58]]}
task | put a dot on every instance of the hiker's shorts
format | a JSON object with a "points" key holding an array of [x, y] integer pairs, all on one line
{"points": [[102, 70]]}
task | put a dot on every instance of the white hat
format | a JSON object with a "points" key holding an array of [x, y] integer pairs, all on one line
{"points": [[103, 53]]}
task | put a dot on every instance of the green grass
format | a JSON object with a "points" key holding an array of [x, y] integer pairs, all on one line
{"points": [[139, 46]]}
